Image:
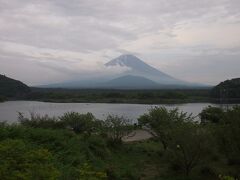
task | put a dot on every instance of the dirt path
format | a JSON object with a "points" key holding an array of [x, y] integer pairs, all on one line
{"points": [[137, 135]]}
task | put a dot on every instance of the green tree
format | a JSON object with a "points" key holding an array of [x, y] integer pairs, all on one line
{"points": [[163, 122], [80, 123], [188, 146], [116, 128], [211, 115], [228, 135]]}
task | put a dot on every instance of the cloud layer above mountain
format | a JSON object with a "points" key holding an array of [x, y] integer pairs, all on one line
{"points": [[45, 41]]}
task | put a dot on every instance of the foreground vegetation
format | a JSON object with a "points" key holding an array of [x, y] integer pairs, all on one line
{"points": [[78, 146]]}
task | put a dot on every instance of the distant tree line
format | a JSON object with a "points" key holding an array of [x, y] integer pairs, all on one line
{"points": [[118, 96]]}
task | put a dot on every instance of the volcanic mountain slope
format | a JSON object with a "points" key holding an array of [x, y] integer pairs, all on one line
{"points": [[139, 68], [137, 75], [131, 82]]}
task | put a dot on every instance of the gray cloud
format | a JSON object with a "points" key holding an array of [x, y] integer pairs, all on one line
{"points": [[191, 39]]}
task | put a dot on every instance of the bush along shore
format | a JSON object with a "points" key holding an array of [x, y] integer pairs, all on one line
{"points": [[78, 146]]}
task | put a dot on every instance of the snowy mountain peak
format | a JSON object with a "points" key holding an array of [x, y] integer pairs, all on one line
{"points": [[135, 64], [126, 60], [140, 68]]}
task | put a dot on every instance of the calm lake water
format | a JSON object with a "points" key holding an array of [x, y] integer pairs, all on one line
{"points": [[9, 110]]}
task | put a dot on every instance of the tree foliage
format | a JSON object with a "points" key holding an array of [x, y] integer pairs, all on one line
{"points": [[80, 123], [163, 121], [38, 121], [183, 139], [211, 114], [116, 128], [228, 135], [188, 147]]}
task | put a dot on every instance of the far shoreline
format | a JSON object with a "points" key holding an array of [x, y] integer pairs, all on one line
{"points": [[171, 101]]}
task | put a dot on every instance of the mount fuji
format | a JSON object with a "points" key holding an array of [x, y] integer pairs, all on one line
{"points": [[139, 68], [138, 75]]}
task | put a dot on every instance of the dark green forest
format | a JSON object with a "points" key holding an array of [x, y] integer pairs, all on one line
{"points": [[229, 89], [10, 88], [79, 146]]}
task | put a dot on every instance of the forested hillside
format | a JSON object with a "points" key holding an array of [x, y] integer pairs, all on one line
{"points": [[12, 88], [229, 89]]}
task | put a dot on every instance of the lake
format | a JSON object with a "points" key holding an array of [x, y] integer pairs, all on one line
{"points": [[9, 110]]}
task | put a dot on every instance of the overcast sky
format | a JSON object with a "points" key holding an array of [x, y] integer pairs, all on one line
{"points": [[45, 41]]}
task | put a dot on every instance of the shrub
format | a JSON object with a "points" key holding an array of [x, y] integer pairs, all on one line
{"points": [[38, 121], [211, 115], [116, 128], [188, 146], [19, 161], [97, 146], [87, 172], [79, 123], [228, 135]]}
